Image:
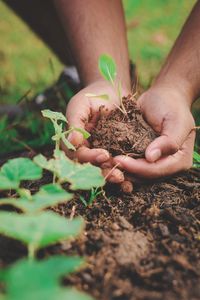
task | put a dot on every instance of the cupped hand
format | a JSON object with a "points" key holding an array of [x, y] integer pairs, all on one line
{"points": [[167, 111], [83, 112]]}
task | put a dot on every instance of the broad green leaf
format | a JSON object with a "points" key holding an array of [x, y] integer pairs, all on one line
{"points": [[39, 230], [81, 176], [41, 161], [102, 96], [49, 195], [196, 156], [107, 68], [6, 183], [53, 115], [18, 169], [41, 279]]}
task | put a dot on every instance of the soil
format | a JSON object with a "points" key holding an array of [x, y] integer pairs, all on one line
{"points": [[123, 133], [144, 245]]}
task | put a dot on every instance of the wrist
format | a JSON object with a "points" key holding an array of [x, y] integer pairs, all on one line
{"points": [[177, 86]]}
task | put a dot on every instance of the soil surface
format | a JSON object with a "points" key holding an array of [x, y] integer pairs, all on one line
{"points": [[144, 245]]}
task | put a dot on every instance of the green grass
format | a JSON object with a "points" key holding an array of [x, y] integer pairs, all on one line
{"points": [[158, 23], [25, 59]]}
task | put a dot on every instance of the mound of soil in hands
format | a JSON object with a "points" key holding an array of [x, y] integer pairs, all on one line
{"points": [[121, 133]]}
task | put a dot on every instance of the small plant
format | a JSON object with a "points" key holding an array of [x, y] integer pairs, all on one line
{"points": [[58, 119], [94, 192], [108, 70], [80, 176], [37, 228]]}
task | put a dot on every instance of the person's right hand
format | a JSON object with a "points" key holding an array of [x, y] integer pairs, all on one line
{"points": [[84, 112], [167, 111]]}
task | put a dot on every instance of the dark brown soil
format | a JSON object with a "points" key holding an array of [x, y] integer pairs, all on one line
{"points": [[144, 245], [121, 133]]}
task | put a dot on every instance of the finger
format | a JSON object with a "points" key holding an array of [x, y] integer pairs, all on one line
{"points": [[113, 175], [77, 113], [172, 137], [181, 160], [94, 156]]}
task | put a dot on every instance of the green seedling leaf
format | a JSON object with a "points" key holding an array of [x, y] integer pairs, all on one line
{"points": [[30, 279], [53, 115], [85, 134], [81, 176], [48, 196], [41, 230], [103, 96], [67, 143], [196, 156], [6, 184], [16, 170], [107, 68]]}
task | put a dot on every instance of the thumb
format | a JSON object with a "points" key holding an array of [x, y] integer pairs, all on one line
{"points": [[174, 133], [77, 114]]}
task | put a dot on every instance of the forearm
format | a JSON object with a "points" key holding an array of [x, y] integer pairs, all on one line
{"points": [[94, 27], [182, 67]]}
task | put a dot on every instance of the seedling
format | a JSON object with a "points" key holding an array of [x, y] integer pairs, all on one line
{"points": [[58, 120], [94, 192], [80, 176], [108, 70]]}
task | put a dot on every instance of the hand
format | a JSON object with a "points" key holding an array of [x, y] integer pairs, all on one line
{"points": [[83, 112], [167, 111]]}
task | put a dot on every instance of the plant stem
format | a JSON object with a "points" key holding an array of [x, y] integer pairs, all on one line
{"points": [[31, 252]]}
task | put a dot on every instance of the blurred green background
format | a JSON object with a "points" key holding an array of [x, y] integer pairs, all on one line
{"points": [[152, 27]]}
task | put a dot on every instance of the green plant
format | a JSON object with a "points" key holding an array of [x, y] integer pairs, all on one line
{"points": [[37, 228], [196, 158], [94, 192], [108, 70], [80, 176], [41, 279], [58, 119]]}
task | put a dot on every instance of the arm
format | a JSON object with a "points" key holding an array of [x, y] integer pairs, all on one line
{"points": [[94, 27], [166, 107]]}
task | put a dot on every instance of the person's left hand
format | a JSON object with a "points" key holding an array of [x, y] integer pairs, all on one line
{"points": [[167, 111]]}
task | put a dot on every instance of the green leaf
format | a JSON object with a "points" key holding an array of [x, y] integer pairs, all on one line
{"points": [[107, 68], [67, 143], [6, 184], [85, 133], [49, 195], [39, 230], [53, 115], [81, 176], [196, 156], [41, 279], [16, 170], [103, 96]]}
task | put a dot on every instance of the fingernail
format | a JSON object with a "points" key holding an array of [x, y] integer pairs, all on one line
{"points": [[101, 158], [154, 155]]}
